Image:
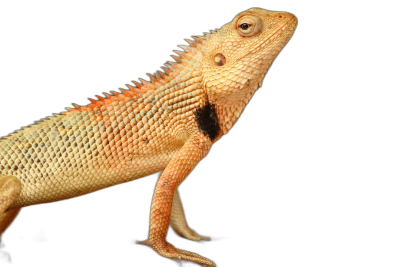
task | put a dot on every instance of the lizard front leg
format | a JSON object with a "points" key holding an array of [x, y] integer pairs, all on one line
{"points": [[178, 221], [176, 171]]}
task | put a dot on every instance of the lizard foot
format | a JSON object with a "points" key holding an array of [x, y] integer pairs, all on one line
{"points": [[178, 255], [191, 235]]}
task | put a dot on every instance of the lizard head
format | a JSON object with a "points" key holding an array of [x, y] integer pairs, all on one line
{"points": [[237, 57]]}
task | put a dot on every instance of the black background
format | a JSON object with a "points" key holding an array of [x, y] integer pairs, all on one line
{"points": [[268, 191]]}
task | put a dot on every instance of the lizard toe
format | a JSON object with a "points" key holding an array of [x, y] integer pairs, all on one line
{"points": [[169, 251]]}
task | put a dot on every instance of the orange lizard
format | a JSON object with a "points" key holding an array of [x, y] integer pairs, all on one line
{"points": [[166, 124]]}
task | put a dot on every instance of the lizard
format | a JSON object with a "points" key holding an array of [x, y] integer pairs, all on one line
{"points": [[167, 124]]}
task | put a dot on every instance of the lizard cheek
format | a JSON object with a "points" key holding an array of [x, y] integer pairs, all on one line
{"points": [[220, 59]]}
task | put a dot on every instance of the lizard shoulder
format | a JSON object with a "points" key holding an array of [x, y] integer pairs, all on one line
{"points": [[207, 121]]}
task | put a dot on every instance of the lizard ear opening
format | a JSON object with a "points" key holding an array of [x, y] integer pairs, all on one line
{"points": [[220, 59]]}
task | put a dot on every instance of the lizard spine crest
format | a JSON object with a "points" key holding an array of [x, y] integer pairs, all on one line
{"points": [[170, 70]]}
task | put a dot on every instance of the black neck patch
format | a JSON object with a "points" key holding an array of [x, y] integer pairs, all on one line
{"points": [[207, 121]]}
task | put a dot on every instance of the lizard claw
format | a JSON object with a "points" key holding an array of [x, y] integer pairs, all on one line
{"points": [[205, 238], [144, 242]]}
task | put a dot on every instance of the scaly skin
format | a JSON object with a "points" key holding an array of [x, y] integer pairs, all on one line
{"points": [[167, 124]]}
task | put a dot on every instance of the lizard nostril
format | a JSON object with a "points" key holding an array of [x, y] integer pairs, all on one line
{"points": [[220, 59]]}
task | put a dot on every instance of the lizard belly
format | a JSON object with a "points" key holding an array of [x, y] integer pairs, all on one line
{"points": [[75, 181]]}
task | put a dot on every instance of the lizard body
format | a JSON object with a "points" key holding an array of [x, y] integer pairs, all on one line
{"points": [[166, 124]]}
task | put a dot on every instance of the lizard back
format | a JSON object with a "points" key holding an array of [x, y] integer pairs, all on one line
{"points": [[115, 139]]}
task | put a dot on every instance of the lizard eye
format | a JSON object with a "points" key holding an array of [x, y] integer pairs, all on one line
{"points": [[245, 26], [249, 26]]}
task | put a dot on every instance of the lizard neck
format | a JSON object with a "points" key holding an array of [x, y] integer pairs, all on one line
{"points": [[229, 106]]}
